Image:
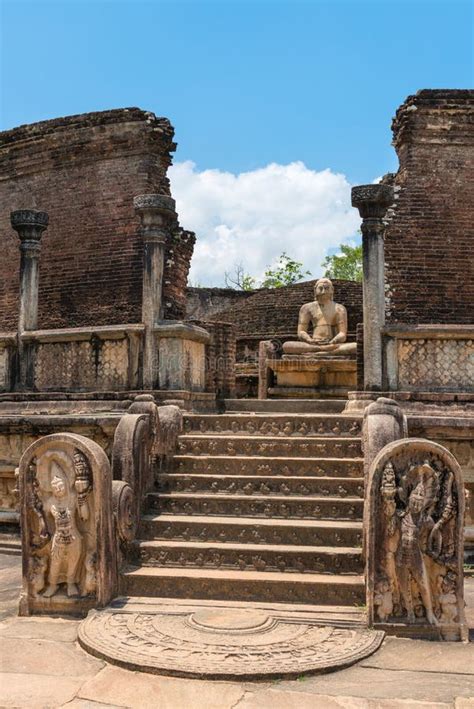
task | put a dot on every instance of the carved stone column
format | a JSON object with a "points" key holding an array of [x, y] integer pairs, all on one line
{"points": [[155, 212], [29, 225], [372, 201]]}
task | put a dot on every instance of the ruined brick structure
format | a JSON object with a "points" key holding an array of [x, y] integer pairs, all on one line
{"points": [[84, 171], [206, 302], [429, 269]]}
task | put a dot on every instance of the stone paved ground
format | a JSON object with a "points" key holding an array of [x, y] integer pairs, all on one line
{"points": [[43, 666]]}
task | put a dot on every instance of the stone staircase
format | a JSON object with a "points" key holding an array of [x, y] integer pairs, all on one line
{"points": [[261, 507]]}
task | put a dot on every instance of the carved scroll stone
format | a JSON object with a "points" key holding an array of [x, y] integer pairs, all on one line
{"points": [[68, 540], [131, 455], [415, 513]]}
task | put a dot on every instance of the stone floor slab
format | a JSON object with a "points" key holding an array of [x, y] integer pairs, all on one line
{"points": [[57, 629], [275, 699], [372, 683], [142, 691], [43, 657], [423, 656], [37, 691], [89, 704]]}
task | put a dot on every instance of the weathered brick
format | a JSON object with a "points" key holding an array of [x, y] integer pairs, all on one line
{"points": [[84, 171], [429, 239]]}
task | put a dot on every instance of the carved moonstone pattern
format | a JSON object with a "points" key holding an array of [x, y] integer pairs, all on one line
{"points": [[222, 643], [415, 515]]}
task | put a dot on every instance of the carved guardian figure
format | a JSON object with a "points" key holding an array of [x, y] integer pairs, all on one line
{"points": [[415, 540]]}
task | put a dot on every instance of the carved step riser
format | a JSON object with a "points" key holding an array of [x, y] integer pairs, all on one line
{"points": [[243, 534], [292, 448], [261, 486], [330, 593], [272, 426], [297, 509], [283, 467], [264, 560]]}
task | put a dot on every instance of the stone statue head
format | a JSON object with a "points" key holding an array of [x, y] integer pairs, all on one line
{"points": [[58, 486], [417, 499], [323, 290]]}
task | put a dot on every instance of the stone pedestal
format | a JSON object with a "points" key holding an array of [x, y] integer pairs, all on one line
{"points": [[311, 377], [181, 356]]}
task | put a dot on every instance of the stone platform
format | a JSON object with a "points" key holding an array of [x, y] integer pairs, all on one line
{"points": [[304, 376], [222, 641]]}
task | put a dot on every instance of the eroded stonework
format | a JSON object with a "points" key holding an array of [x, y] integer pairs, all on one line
{"points": [[222, 643], [415, 539]]}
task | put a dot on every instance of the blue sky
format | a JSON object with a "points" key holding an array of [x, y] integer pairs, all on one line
{"points": [[246, 83]]}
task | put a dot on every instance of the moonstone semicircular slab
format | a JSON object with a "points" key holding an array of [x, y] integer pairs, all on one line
{"points": [[223, 643]]}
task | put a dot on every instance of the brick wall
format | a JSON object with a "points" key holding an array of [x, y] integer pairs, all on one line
{"points": [[271, 312], [206, 302], [84, 171], [429, 241]]}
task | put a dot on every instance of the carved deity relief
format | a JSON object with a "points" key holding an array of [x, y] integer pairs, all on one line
{"points": [[415, 538], [60, 513]]}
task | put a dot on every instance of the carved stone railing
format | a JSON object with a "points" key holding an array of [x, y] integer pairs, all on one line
{"points": [[414, 568], [83, 359], [429, 357]]}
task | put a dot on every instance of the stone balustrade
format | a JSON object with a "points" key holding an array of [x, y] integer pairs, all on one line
{"points": [[429, 358], [82, 359]]}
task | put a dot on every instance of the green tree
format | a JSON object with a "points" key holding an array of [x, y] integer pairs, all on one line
{"points": [[286, 272], [346, 265]]}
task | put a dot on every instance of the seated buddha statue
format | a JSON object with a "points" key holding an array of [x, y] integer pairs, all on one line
{"points": [[329, 326]]}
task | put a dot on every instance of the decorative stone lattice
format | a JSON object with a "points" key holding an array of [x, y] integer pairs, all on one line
{"points": [[436, 363], [91, 364], [415, 540], [222, 643]]}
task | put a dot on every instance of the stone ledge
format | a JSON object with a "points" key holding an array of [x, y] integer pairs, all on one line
{"points": [[298, 364], [72, 334], [429, 332], [7, 339], [182, 331]]}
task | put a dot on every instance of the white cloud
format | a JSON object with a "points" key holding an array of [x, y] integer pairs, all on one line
{"points": [[252, 217]]}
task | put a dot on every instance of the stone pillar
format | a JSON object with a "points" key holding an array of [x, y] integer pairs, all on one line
{"points": [[372, 201], [155, 211], [29, 225]]}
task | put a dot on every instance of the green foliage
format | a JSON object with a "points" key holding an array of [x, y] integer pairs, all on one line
{"points": [[239, 280], [286, 272], [346, 266], [248, 282]]}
